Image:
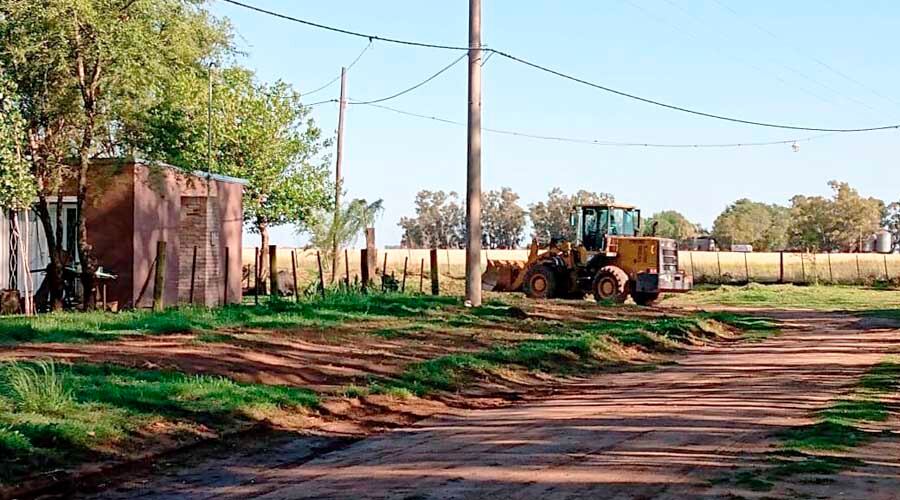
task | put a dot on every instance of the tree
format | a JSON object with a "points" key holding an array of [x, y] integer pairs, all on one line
{"points": [[671, 224], [892, 222], [551, 218], [261, 133], [81, 66], [439, 222], [840, 223], [16, 183], [749, 222], [353, 218], [502, 219]]}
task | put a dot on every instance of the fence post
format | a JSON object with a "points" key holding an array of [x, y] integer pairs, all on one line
{"points": [[887, 275], [691, 255], [321, 275], [719, 266], [193, 276], [273, 270], [830, 271], [803, 267], [364, 268], [422, 275], [746, 268], [159, 282], [347, 266], [858, 272], [403, 283], [384, 272], [781, 268], [294, 269], [435, 285]]}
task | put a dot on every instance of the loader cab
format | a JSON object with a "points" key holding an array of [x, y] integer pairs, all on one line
{"points": [[594, 224]]}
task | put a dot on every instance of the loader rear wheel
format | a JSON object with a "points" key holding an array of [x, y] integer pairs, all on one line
{"points": [[540, 282], [645, 298], [611, 284]]}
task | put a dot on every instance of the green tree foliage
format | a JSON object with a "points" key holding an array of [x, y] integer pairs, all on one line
{"points": [[82, 68], [439, 222], [892, 221], [840, 223], [353, 218], [749, 222], [671, 224], [502, 219], [551, 218], [17, 187]]}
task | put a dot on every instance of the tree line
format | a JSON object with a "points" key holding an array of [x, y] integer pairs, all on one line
{"points": [[841, 222]]}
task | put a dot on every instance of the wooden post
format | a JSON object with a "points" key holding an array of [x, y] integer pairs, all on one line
{"points": [[830, 272], [104, 290], [159, 283], [746, 268], [887, 275], [273, 270], [803, 268], [473, 163], [347, 267], [364, 269], [227, 283], [403, 283], [321, 275], [338, 181], [294, 269], [691, 255], [435, 285], [719, 266], [371, 255], [193, 276], [781, 268], [858, 272], [256, 276], [384, 272], [422, 275]]}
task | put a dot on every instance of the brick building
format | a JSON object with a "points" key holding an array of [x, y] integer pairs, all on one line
{"points": [[133, 204]]}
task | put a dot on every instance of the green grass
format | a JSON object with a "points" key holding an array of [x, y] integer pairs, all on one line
{"points": [[334, 310], [824, 298], [91, 407], [824, 435]]}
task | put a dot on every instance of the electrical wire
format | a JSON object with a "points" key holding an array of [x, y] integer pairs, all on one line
{"points": [[323, 87], [566, 76], [597, 142], [414, 87], [344, 31]]}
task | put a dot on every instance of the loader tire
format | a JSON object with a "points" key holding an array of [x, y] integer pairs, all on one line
{"points": [[611, 284], [645, 298], [540, 282]]}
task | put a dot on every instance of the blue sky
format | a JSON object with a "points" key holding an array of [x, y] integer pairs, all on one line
{"points": [[768, 64]]}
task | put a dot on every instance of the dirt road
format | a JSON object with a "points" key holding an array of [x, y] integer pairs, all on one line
{"points": [[667, 433]]}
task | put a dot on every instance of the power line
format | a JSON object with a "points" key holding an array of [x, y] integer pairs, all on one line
{"points": [[811, 57], [597, 142], [560, 74], [330, 82], [344, 31], [414, 87]]}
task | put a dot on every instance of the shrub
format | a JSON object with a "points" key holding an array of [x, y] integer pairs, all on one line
{"points": [[38, 388]]}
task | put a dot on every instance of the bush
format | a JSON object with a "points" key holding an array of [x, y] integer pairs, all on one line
{"points": [[38, 388]]}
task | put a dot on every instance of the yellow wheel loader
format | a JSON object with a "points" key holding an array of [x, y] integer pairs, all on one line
{"points": [[607, 259]]}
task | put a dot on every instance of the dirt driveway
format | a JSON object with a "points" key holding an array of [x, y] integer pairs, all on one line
{"points": [[668, 433]]}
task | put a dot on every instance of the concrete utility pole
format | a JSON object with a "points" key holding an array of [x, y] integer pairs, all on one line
{"points": [[337, 173], [473, 170]]}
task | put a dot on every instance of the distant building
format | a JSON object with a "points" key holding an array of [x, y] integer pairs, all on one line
{"points": [[700, 244], [132, 205], [742, 248]]}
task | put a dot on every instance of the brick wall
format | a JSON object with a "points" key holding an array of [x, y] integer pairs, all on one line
{"points": [[199, 226]]}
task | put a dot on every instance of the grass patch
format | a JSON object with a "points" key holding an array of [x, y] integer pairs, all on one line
{"points": [[825, 435], [882, 378], [856, 410], [826, 298], [314, 312], [53, 415]]}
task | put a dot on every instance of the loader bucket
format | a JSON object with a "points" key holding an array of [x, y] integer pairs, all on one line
{"points": [[501, 275]]}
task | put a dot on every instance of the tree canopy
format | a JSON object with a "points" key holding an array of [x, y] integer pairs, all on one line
{"points": [[748, 222], [841, 222], [551, 218], [502, 219], [671, 224], [16, 184], [439, 221]]}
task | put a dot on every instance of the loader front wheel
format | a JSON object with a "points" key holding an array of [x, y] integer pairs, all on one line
{"points": [[540, 282], [611, 284]]}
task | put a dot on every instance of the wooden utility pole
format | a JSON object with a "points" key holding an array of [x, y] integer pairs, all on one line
{"points": [[339, 156], [473, 171], [159, 282]]}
